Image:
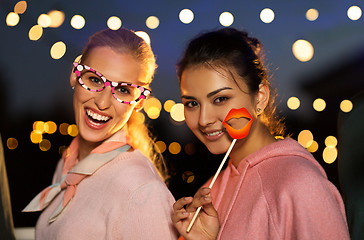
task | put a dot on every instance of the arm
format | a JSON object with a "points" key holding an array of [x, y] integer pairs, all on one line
{"points": [[207, 224]]}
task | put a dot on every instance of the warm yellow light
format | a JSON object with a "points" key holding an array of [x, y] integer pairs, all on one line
{"points": [[57, 18], [63, 128], [50, 127], [12, 19], [160, 146], [267, 15], [36, 137], [303, 50], [143, 35], [20, 7], [12, 143], [293, 103], [45, 145], [186, 16], [174, 148], [153, 112], [331, 141], [72, 130], [114, 23], [177, 112], [346, 106], [44, 20], [313, 147], [226, 19], [319, 104], [139, 117], [152, 102], [77, 22], [190, 149], [58, 50], [78, 58], [354, 13], [305, 138], [188, 177], [329, 155], [168, 105], [35, 32], [312, 14], [38, 126], [152, 22]]}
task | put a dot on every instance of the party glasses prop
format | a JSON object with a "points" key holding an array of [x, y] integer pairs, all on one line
{"points": [[94, 81], [235, 134]]}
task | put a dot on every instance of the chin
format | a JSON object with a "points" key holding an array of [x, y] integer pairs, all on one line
{"points": [[217, 149]]}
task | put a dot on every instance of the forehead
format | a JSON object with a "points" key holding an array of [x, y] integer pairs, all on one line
{"points": [[115, 66], [202, 79]]}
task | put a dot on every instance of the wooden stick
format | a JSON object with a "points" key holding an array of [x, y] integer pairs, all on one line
{"points": [[212, 183]]}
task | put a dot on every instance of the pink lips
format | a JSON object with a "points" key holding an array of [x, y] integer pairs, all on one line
{"points": [[238, 113]]}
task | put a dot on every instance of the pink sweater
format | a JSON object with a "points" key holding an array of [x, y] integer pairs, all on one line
{"points": [[278, 192], [124, 199]]}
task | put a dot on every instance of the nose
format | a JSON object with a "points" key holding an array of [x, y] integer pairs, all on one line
{"points": [[207, 116], [103, 99]]}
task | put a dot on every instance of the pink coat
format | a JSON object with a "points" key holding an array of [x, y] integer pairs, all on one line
{"points": [[278, 192]]}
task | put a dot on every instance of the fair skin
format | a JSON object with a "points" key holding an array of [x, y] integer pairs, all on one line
{"points": [[208, 95], [88, 106]]}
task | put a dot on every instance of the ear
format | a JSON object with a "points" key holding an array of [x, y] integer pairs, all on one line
{"points": [[73, 79], [262, 98], [139, 106]]}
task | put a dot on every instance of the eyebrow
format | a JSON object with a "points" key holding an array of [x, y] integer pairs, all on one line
{"points": [[209, 94]]}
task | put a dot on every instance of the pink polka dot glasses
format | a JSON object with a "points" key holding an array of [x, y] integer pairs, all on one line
{"points": [[94, 81]]}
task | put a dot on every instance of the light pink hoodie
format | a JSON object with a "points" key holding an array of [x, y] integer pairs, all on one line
{"points": [[278, 192]]}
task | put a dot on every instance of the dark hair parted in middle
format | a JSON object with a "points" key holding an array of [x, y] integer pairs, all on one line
{"points": [[239, 55]]}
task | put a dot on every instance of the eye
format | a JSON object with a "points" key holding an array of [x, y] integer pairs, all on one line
{"points": [[95, 80], [191, 104], [220, 99], [123, 90]]}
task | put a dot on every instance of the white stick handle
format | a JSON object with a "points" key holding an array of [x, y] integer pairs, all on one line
{"points": [[212, 182]]}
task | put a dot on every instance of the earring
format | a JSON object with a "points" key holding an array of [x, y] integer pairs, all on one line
{"points": [[258, 110], [73, 88]]}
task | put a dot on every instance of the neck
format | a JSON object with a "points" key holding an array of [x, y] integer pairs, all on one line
{"points": [[259, 137], [85, 148]]}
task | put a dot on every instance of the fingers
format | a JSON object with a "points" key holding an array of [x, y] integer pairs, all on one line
{"points": [[180, 212], [201, 198]]}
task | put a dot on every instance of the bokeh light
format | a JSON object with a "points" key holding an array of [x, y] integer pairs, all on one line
{"points": [[168, 105], [188, 177], [38, 126], [35, 32], [152, 22], [20, 7], [72, 130], [139, 117], [174, 148], [312, 14], [12, 19], [267, 15], [57, 18], [50, 127], [331, 141], [63, 128], [329, 155], [177, 112], [303, 50], [114, 23], [58, 50], [319, 104], [143, 35], [346, 106], [36, 137], [313, 147], [45, 145], [44, 20], [186, 16], [293, 103], [305, 138], [77, 22], [160, 146], [153, 112], [12, 143], [190, 149], [152, 107], [354, 13], [61, 149], [226, 19]]}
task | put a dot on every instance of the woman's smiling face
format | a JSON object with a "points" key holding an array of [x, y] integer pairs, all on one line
{"points": [[98, 114], [208, 96]]}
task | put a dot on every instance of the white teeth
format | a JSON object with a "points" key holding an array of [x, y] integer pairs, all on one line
{"points": [[214, 133], [97, 116]]}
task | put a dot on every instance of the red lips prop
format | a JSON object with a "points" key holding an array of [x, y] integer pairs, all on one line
{"points": [[238, 113]]}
